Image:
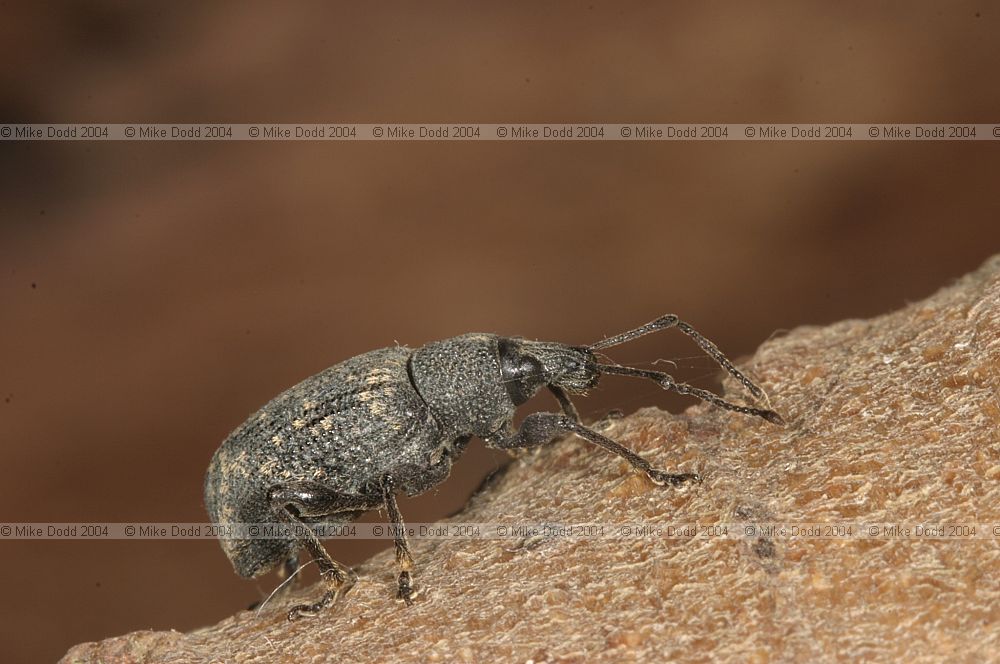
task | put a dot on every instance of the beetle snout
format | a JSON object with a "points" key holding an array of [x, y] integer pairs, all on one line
{"points": [[575, 369]]}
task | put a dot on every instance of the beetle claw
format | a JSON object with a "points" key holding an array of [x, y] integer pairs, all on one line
{"points": [[661, 478], [405, 592]]}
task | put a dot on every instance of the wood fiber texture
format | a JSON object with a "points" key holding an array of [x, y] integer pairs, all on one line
{"points": [[893, 420]]}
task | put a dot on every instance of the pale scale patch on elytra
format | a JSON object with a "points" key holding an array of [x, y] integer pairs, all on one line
{"points": [[235, 466], [376, 376]]}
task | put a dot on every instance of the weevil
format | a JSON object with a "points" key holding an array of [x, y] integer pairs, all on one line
{"points": [[391, 421]]}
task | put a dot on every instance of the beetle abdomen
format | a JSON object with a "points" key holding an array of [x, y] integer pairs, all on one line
{"points": [[344, 427]]}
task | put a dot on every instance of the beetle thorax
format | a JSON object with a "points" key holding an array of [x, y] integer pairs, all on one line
{"points": [[460, 380]]}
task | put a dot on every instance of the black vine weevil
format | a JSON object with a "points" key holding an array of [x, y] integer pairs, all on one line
{"points": [[348, 439]]}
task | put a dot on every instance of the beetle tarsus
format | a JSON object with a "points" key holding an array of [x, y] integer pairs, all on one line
{"points": [[662, 478], [405, 591], [312, 610], [773, 417]]}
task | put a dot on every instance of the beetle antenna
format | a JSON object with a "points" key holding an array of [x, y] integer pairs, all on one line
{"points": [[670, 320], [667, 382], [282, 585]]}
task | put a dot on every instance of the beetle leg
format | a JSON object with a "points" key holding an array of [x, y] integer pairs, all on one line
{"points": [[540, 428], [403, 557], [567, 406], [293, 501]]}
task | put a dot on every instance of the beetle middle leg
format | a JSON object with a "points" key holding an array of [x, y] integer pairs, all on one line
{"points": [[295, 501], [541, 428], [403, 557]]}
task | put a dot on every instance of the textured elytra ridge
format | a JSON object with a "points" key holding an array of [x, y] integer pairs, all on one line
{"points": [[893, 419]]}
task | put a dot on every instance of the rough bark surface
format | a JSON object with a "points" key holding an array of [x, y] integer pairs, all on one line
{"points": [[890, 420]]}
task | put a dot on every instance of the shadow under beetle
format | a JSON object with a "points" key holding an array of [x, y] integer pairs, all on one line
{"points": [[390, 421]]}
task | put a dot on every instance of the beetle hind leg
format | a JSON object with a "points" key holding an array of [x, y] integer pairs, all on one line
{"points": [[294, 501]]}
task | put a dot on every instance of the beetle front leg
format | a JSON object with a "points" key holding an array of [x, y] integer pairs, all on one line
{"points": [[403, 557], [564, 402], [311, 499], [540, 428]]}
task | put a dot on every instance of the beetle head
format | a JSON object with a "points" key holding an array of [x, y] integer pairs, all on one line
{"points": [[527, 366]]}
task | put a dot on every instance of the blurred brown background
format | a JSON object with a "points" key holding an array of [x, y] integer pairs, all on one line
{"points": [[154, 294]]}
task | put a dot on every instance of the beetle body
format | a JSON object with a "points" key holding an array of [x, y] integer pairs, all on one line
{"points": [[394, 411], [345, 427], [348, 439]]}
